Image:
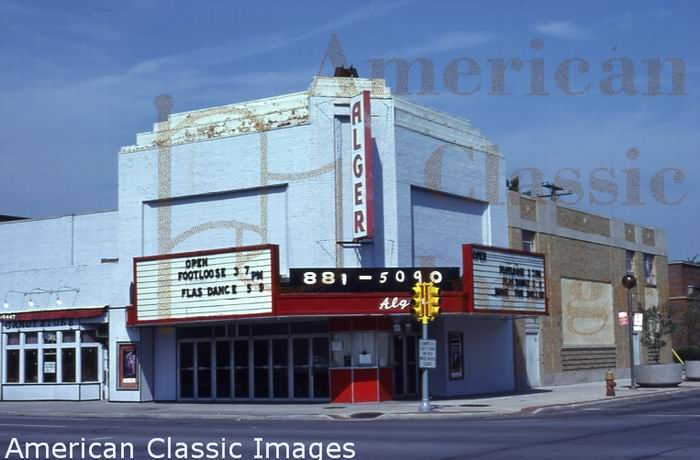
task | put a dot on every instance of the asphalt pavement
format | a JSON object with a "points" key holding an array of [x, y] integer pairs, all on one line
{"points": [[658, 428], [527, 402]]}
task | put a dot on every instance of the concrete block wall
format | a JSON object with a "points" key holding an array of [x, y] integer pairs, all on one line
{"points": [[51, 253]]}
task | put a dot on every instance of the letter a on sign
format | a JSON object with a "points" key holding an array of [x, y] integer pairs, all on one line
{"points": [[361, 136]]}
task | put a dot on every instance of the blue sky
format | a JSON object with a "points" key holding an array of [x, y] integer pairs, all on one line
{"points": [[79, 79]]}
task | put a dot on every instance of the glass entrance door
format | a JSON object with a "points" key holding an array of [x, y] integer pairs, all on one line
{"points": [[268, 368], [195, 370], [261, 368], [405, 366]]}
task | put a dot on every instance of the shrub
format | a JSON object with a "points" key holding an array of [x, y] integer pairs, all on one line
{"points": [[657, 324]]}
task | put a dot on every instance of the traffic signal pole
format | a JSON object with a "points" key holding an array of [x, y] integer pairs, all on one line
{"points": [[426, 306], [425, 399]]}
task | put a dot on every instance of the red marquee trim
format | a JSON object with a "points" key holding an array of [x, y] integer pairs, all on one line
{"points": [[59, 314]]}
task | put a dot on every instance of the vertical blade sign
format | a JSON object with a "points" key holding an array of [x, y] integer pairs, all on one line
{"points": [[362, 197]]}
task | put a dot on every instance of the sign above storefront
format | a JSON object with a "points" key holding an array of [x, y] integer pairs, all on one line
{"points": [[499, 280], [368, 279], [206, 284], [362, 190]]}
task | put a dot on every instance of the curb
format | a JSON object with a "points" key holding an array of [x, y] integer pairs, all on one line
{"points": [[353, 417], [538, 410]]}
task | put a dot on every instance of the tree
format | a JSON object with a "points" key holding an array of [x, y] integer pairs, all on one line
{"points": [[513, 185], [657, 324]]}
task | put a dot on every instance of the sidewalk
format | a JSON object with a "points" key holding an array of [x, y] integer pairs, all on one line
{"points": [[535, 401]]}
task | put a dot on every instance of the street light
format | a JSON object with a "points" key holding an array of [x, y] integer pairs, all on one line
{"points": [[629, 282]]}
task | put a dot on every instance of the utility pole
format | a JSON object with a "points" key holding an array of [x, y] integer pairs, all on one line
{"points": [[629, 282]]}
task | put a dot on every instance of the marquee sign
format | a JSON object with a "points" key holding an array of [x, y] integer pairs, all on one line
{"points": [[500, 280], [385, 279], [206, 284], [362, 193]]}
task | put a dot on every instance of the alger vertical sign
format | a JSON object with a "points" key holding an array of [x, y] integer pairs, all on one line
{"points": [[362, 199]]}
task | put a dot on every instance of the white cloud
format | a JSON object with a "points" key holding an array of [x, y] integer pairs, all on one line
{"points": [[563, 29], [449, 41]]}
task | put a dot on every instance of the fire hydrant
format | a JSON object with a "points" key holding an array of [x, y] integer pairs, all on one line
{"points": [[610, 383]]}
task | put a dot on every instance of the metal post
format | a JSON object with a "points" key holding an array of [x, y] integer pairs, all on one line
{"points": [[630, 329], [425, 402]]}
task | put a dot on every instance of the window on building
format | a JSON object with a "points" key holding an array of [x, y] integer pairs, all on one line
{"points": [[88, 364], [88, 336], [456, 355], [49, 369], [68, 337], [31, 366], [629, 262], [649, 269], [49, 337], [528, 241], [68, 365], [12, 366], [47, 352]]}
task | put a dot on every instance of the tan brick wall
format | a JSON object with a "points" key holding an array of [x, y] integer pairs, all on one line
{"points": [[583, 221], [567, 258], [528, 209]]}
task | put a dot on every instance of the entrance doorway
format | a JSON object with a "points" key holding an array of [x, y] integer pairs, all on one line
{"points": [[259, 368], [405, 366]]}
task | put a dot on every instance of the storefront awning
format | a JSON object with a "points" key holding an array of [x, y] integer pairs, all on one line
{"points": [[88, 312]]}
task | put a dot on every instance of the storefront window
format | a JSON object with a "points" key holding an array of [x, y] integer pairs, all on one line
{"points": [[31, 365], [383, 349], [88, 336], [49, 365], [341, 349], [360, 349], [68, 337], [12, 366], [68, 364], [89, 368], [320, 367], [364, 354], [49, 337], [41, 363]]}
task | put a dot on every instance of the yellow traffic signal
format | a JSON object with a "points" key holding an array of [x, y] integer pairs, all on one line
{"points": [[417, 300], [433, 301]]}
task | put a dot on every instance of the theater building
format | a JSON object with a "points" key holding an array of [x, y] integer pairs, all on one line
{"points": [[265, 251]]}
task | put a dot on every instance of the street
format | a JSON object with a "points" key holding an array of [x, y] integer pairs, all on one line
{"points": [[654, 429]]}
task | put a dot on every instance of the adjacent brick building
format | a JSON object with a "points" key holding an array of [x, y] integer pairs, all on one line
{"points": [[587, 256], [684, 292]]}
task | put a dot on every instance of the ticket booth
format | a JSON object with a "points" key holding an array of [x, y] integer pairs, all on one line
{"points": [[361, 367]]}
